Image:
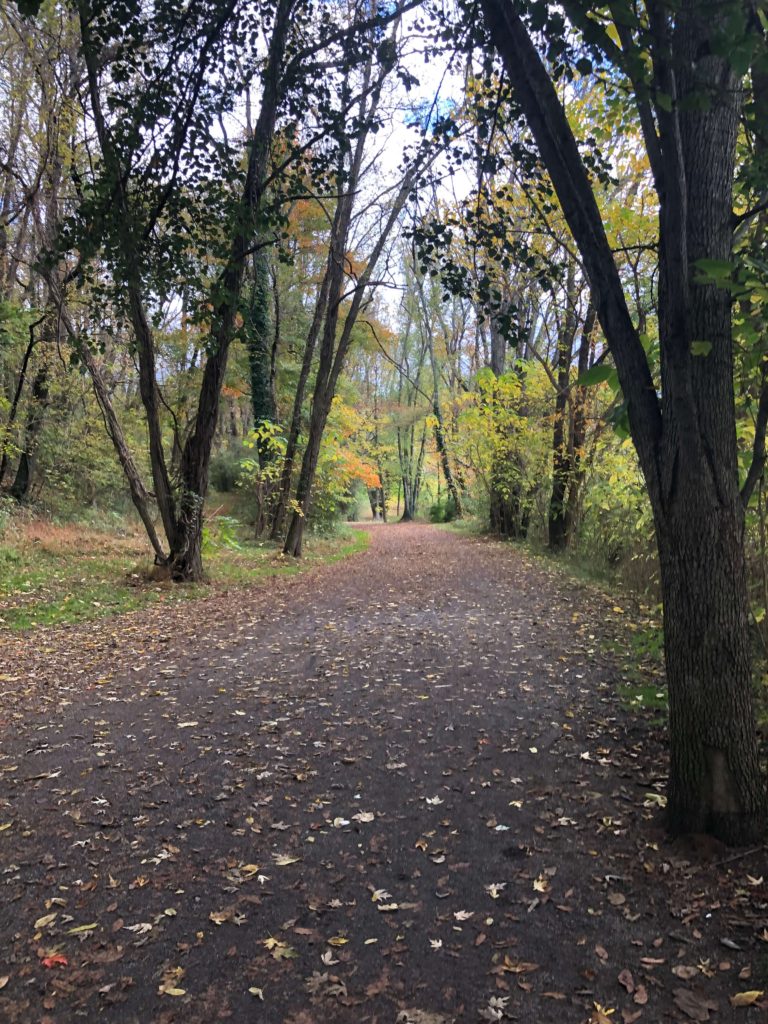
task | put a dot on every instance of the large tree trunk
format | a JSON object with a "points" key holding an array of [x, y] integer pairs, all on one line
{"points": [[714, 783]]}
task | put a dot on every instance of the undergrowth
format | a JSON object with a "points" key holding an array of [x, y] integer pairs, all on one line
{"points": [[53, 573]]}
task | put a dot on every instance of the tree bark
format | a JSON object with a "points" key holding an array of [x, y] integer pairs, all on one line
{"points": [[38, 403], [578, 439], [259, 347], [561, 458], [292, 445]]}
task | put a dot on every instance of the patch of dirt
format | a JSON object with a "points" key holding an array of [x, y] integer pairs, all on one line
{"points": [[395, 789]]}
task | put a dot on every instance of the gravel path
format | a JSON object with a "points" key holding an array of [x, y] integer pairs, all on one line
{"points": [[399, 788]]}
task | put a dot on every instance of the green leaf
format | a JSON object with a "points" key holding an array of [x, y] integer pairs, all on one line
{"points": [[701, 348], [713, 271], [596, 375]]}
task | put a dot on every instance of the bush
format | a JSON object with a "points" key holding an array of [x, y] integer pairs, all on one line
{"points": [[226, 470], [444, 511]]}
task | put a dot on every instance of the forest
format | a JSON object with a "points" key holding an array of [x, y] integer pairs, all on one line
{"points": [[271, 269]]}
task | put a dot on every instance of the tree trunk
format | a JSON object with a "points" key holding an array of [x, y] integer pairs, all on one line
{"points": [[376, 499], [332, 354], [562, 462], [578, 430], [259, 346], [714, 783], [294, 540], [37, 405], [292, 445], [510, 516], [13, 412]]}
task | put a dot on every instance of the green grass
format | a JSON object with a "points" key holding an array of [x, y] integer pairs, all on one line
{"points": [[53, 574], [636, 695], [468, 526]]}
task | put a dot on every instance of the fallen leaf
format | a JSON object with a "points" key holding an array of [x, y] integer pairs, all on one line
{"points": [[684, 971], [747, 998], [514, 967], [601, 1015], [55, 960], [693, 1004], [627, 981]]}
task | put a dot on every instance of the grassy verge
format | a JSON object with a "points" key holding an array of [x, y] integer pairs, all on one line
{"points": [[52, 574]]}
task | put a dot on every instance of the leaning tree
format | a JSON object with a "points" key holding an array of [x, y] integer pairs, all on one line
{"points": [[690, 68]]}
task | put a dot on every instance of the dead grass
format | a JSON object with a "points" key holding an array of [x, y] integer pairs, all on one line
{"points": [[69, 539], [52, 573]]}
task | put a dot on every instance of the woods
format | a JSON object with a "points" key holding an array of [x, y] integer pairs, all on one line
{"points": [[499, 262]]}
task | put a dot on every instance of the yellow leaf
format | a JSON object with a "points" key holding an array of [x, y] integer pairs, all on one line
{"points": [[258, 992], [284, 952], [82, 928], [6, 825], [338, 940], [42, 922], [747, 998], [601, 1015]]}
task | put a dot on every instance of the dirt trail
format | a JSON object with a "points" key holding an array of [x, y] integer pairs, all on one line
{"points": [[395, 789]]}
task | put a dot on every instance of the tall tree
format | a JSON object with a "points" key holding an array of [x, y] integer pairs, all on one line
{"points": [[686, 66]]}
